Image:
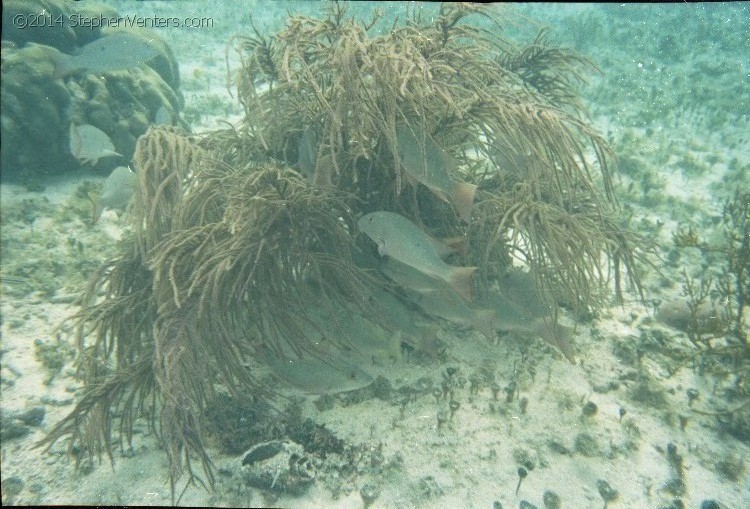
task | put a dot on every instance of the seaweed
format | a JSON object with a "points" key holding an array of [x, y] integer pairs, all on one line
{"points": [[232, 244], [729, 288], [720, 336]]}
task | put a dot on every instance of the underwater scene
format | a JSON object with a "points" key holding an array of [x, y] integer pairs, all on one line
{"points": [[375, 254]]}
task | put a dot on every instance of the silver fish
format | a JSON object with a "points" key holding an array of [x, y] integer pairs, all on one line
{"points": [[121, 50], [308, 153], [399, 238], [367, 341], [318, 376], [436, 298], [519, 308], [514, 307], [426, 162], [117, 191], [317, 170], [88, 144], [400, 319]]}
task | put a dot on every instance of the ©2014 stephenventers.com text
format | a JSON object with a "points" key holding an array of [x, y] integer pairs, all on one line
{"points": [[47, 20]]}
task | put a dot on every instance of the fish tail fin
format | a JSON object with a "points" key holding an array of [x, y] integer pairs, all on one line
{"points": [[460, 281], [394, 347], [558, 336], [484, 322], [463, 198], [459, 245], [96, 213], [429, 342], [323, 172], [96, 208]]}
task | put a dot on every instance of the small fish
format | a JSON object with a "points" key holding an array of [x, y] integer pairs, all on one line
{"points": [[515, 307], [436, 298], [410, 278], [426, 162], [88, 144], [399, 238], [317, 170], [363, 339], [308, 153], [708, 317], [117, 191], [122, 50], [519, 308], [318, 376]]}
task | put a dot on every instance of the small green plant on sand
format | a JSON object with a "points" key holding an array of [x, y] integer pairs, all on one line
{"points": [[728, 292], [53, 355], [717, 307]]}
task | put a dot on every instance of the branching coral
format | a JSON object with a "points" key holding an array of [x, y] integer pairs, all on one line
{"points": [[479, 96], [231, 243]]}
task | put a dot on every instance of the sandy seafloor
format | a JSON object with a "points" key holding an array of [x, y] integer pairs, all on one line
{"points": [[673, 101]]}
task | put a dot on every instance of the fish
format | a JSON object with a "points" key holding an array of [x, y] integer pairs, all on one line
{"points": [[318, 376], [361, 338], [435, 298], [121, 50], [116, 193], [404, 324], [513, 307], [318, 171], [708, 317], [426, 162], [308, 153], [519, 308], [88, 144], [408, 277], [399, 238]]}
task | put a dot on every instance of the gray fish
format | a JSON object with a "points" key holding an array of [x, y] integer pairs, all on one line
{"points": [[400, 318], [519, 308], [367, 341], [308, 153], [117, 191], [317, 170], [399, 238], [708, 317], [318, 376], [88, 144], [436, 298], [121, 50], [426, 162], [515, 307]]}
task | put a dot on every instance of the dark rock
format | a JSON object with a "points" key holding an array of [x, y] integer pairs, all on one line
{"points": [[11, 428], [279, 466], [12, 487], [32, 416]]}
